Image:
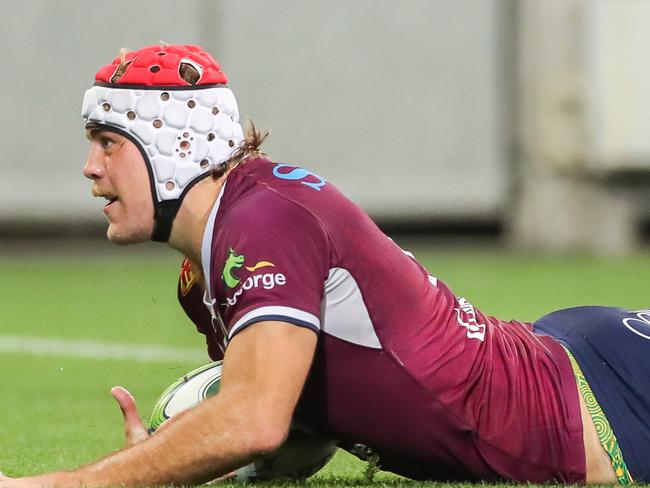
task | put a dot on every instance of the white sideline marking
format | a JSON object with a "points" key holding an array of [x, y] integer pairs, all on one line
{"points": [[99, 350]]}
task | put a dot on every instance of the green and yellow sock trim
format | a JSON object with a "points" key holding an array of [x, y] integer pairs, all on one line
{"points": [[603, 429]]}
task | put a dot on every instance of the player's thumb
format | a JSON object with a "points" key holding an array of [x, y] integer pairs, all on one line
{"points": [[134, 429]]}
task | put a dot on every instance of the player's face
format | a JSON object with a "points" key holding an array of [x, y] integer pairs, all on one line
{"points": [[120, 176]]}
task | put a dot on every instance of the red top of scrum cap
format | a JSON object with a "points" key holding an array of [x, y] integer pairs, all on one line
{"points": [[159, 66]]}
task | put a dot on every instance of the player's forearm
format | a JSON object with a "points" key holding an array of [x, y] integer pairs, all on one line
{"points": [[201, 445], [196, 447]]}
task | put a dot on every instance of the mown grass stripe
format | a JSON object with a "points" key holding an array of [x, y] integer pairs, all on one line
{"points": [[98, 350]]}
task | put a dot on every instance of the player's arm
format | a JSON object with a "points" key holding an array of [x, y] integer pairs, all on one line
{"points": [[265, 368]]}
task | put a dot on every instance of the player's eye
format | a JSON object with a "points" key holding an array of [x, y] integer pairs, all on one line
{"points": [[106, 141]]}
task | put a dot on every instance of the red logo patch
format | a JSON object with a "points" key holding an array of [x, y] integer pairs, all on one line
{"points": [[188, 277]]}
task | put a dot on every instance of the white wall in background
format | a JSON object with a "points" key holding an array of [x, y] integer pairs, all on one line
{"points": [[401, 104], [50, 52], [617, 73]]}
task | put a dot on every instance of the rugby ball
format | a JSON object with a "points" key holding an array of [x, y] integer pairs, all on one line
{"points": [[302, 455]]}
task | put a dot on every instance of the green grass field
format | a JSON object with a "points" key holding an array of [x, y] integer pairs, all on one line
{"points": [[57, 411]]}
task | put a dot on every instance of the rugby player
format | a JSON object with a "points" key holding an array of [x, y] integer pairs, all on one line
{"points": [[320, 317]]}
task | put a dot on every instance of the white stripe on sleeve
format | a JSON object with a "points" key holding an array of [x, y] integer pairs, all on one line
{"points": [[294, 315]]}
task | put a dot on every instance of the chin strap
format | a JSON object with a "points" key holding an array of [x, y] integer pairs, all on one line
{"points": [[164, 219], [165, 212]]}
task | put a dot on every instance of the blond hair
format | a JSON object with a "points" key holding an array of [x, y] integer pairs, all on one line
{"points": [[249, 148]]}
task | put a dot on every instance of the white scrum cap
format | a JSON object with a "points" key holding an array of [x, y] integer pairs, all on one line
{"points": [[182, 128]]}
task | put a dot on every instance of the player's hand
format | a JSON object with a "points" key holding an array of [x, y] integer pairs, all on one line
{"points": [[7, 482], [134, 430], [41, 481]]}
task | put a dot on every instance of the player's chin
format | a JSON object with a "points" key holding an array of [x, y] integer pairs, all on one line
{"points": [[124, 237]]}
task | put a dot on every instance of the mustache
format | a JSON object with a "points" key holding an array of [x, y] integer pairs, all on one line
{"points": [[96, 192]]}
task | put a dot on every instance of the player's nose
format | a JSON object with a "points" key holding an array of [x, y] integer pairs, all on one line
{"points": [[93, 169]]}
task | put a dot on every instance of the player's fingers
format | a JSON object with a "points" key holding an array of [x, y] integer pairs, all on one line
{"points": [[134, 429], [221, 479]]}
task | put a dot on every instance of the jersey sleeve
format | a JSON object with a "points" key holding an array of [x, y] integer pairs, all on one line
{"points": [[270, 263]]}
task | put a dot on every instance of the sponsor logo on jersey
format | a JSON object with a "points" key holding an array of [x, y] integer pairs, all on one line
{"points": [[466, 316], [233, 262], [266, 280], [639, 323], [306, 177], [188, 277]]}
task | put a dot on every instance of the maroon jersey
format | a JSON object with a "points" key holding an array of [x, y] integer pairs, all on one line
{"points": [[433, 386]]}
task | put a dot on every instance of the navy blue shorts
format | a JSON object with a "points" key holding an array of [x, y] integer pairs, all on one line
{"points": [[612, 347]]}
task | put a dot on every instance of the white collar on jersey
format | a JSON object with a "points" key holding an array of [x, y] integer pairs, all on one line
{"points": [[206, 247]]}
